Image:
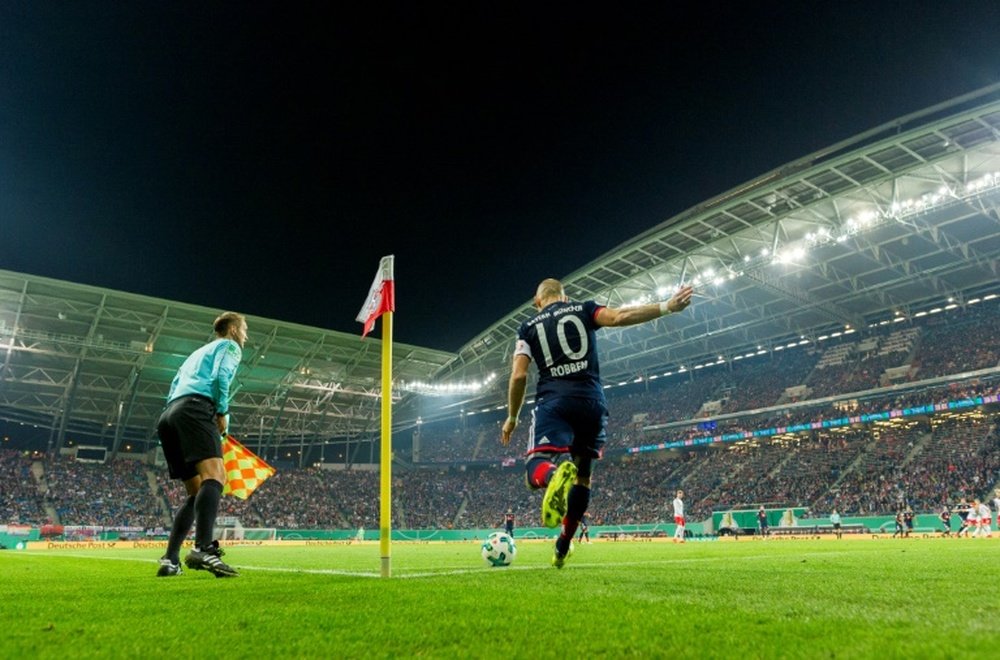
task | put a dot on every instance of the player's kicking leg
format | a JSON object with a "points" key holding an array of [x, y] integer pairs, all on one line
{"points": [[577, 501]]}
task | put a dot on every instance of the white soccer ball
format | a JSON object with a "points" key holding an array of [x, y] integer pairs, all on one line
{"points": [[499, 549]]}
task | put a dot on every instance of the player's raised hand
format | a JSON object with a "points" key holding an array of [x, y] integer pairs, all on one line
{"points": [[681, 299]]}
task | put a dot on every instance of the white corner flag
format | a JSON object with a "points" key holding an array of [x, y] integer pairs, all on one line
{"points": [[381, 296]]}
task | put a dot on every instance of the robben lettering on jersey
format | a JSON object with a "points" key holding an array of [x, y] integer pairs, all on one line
{"points": [[561, 340]]}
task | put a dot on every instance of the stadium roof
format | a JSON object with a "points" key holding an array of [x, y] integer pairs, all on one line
{"points": [[894, 222], [77, 358]]}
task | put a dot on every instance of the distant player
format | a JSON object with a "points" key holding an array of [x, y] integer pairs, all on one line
{"points": [[945, 518], [679, 517], [965, 523], [762, 521], [570, 413], [908, 520], [973, 519], [835, 521], [984, 520], [900, 525], [508, 522], [996, 506], [584, 529]]}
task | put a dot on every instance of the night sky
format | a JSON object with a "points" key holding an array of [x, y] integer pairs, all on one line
{"points": [[263, 157]]}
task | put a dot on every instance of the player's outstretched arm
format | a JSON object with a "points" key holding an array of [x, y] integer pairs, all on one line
{"points": [[515, 396], [611, 317]]}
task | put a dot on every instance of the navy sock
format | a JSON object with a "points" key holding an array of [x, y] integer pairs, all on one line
{"points": [[206, 507], [183, 520], [579, 499]]}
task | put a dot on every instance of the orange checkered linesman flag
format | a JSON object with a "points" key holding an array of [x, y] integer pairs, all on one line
{"points": [[245, 470]]}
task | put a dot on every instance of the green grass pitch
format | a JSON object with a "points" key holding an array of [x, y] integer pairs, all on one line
{"points": [[911, 598]]}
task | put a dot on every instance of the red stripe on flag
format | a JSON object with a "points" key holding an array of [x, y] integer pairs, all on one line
{"points": [[386, 303], [381, 296]]}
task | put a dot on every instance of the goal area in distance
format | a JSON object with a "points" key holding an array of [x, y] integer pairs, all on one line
{"points": [[747, 518], [248, 534]]}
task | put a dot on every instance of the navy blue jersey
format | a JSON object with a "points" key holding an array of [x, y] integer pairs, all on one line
{"points": [[561, 340]]}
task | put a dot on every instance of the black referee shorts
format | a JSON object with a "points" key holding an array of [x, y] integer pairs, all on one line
{"points": [[188, 435]]}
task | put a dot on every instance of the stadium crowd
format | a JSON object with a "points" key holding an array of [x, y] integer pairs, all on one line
{"points": [[458, 475], [20, 500], [111, 494]]}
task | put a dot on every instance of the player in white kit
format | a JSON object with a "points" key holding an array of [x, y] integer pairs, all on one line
{"points": [[985, 521], [679, 517]]}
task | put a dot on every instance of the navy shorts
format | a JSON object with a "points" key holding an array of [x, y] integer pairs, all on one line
{"points": [[568, 424], [188, 435]]}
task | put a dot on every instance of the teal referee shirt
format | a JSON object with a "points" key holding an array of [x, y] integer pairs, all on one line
{"points": [[209, 371]]}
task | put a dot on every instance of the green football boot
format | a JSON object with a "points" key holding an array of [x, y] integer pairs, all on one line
{"points": [[556, 498]]}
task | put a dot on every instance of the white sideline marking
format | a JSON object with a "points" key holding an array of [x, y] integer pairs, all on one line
{"points": [[428, 574], [274, 569]]}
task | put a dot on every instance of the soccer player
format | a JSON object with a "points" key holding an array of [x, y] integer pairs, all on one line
{"points": [[508, 522], [973, 520], [908, 520], [835, 521], [900, 525], [984, 519], [945, 521], [679, 517], [762, 521], [584, 529], [191, 428], [996, 506], [570, 413], [966, 519]]}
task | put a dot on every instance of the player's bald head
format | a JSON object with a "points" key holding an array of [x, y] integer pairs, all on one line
{"points": [[550, 290]]}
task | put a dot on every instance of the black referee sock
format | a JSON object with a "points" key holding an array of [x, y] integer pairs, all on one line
{"points": [[183, 520], [206, 507]]}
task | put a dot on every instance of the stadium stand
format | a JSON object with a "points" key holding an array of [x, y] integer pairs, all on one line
{"points": [[20, 499], [111, 494], [457, 475]]}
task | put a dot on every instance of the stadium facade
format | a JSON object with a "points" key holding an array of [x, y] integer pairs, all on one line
{"points": [[894, 224]]}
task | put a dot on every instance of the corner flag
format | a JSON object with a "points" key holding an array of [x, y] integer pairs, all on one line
{"points": [[381, 296], [382, 301]]}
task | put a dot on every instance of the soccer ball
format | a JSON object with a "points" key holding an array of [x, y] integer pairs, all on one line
{"points": [[499, 549]]}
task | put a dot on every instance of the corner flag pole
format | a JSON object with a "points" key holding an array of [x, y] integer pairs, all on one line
{"points": [[385, 456], [381, 301]]}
